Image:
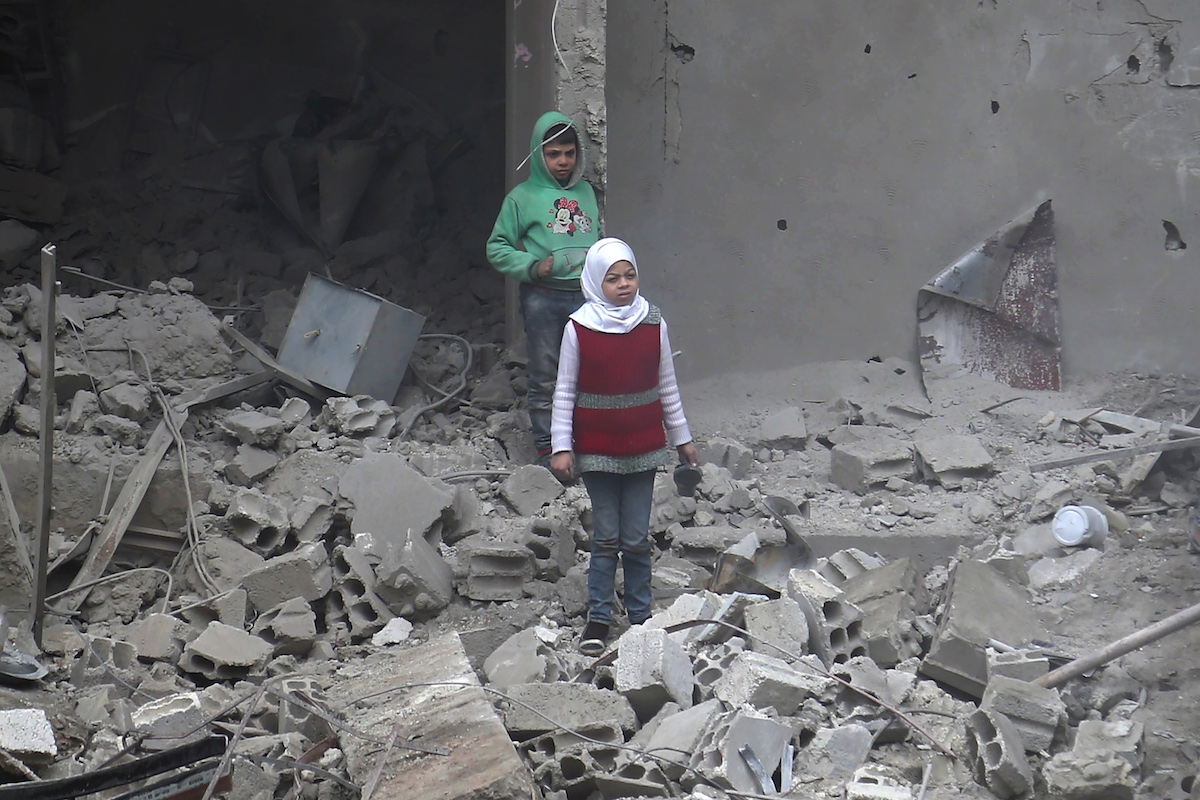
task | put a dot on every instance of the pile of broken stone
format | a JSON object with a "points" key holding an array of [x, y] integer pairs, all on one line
{"points": [[322, 536]]}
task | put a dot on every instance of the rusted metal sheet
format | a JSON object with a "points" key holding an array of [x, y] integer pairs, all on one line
{"points": [[994, 311]]}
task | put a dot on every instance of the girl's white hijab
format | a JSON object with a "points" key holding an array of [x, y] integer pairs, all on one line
{"points": [[597, 313]]}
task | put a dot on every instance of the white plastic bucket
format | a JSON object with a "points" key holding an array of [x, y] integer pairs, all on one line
{"points": [[1079, 525]]}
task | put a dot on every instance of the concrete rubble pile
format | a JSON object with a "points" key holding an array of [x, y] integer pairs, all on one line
{"points": [[323, 540]]}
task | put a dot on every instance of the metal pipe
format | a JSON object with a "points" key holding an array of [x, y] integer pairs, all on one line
{"points": [[49, 406], [1120, 647]]}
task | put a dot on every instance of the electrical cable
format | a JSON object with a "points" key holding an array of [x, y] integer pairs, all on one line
{"points": [[469, 354]]}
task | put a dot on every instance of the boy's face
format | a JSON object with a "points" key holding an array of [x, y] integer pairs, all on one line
{"points": [[560, 159], [620, 284]]}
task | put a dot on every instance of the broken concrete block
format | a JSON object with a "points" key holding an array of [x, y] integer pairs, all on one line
{"points": [[495, 391], [834, 623], [1036, 712], [835, 753], [253, 428], [164, 722], [224, 653], [303, 573], [1057, 573], [159, 637], [358, 416], [311, 519], [1021, 665], [701, 605], [290, 628], [1050, 497], [295, 411], [710, 666], [652, 670], [860, 466], [27, 734], [846, 564], [553, 546], [103, 661], [396, 631], [681, 733], [391, 499], [948, 459], [760, 681], [888, 597], [496, 571], [1090, 776], [257, 521], [128, 400], [119, 429], [570, 705], [12, 379], [1123, 738], [85, 407], [529, 488], [250, 465], [412, 579], [997, 755], [719, 756], [783, 430], [354, 589], [525, 657], [981, 604], [778, 629], [871, 783], [733, 456]]}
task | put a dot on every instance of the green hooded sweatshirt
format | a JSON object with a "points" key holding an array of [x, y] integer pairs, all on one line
{"points": [[540, 217]]}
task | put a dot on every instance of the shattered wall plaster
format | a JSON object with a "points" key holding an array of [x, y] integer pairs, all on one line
{"points": [[791, 174], [581, 36]]}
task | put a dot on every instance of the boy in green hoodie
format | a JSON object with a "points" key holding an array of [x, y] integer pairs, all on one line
{"points": [[541, 237]]}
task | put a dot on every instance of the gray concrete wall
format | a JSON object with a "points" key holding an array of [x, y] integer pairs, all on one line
{"points": [[730, 120]]}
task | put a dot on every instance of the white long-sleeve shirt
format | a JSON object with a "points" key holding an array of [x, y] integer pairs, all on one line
{"points": [[562, 419]]}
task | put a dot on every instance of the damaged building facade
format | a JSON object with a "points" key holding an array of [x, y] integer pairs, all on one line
{"points": [[265, 584]]}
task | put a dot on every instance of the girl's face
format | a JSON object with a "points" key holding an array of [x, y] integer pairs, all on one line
{"points": [[620, 284]]}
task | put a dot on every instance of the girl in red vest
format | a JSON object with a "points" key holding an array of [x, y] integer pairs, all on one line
{"points": [[616, 408]]}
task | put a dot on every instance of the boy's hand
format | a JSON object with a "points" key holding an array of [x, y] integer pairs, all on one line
{"points": [[687, 452], [563, 465], [545, 267]]}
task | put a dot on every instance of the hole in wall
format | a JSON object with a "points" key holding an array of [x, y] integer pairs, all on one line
{"points": [[1174, 240], [995, 107], [1134, 65], [781, 224], [684, 52], [910, 77], [867, 49], [1166, 55]]}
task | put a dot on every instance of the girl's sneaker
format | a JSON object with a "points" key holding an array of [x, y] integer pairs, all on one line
{"points": [[595, 635]]}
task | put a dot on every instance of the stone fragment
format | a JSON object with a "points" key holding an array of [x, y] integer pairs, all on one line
{"points": [[783, 430], [680, 734], [835, 753], [358, 416], [701, 605], [311, 519], [1050, 497], [860, 466], [778, 629], [1036, 712], [1057, 573], [529, 488], [250, 465], [997, 756], [224, 653], [762, 682], [571, 705], [981, 604], [290, 627], [85, 407], [258, 521], [303, 573], [159, 637], [392, 500], [170, 721], [733, 456], [127, 400], [295, 411], [1089, 776], [253, 428], [26, 733], [525, 657], [652, 670], [1123, 738], [949, 459], [396, 631], [119, 429]]}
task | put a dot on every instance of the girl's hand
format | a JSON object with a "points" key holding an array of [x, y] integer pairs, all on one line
{"points": [[687, 452], [563, 465]]}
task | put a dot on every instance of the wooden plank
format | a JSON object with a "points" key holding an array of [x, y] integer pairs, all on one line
{"points": [[1104, 455], [294, 378], [134, 490]]}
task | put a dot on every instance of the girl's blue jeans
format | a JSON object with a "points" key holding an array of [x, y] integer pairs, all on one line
{"points": [[620, 525]]}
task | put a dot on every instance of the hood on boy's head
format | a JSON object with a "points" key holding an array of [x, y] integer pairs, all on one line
{"points": [[537, 163]]}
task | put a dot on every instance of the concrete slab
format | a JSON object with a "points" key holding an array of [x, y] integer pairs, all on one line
{"points": [[949, 459], [652, 670], [456, 716], [569, 705], [391, 499], [27, 734], [304, 573], [529, 488]]}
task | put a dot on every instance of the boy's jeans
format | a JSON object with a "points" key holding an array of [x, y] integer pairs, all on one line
{"points": [[620, 522], [546, 313]]}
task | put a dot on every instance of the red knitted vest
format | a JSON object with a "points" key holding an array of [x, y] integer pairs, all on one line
{"points": [[617, 409]]}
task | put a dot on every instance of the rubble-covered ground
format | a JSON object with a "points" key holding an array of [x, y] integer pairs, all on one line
{"points": [[326, 552]]}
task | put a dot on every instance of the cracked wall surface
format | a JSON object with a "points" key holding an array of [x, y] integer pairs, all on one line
{"points": [[579, 27], [791, 174]]}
